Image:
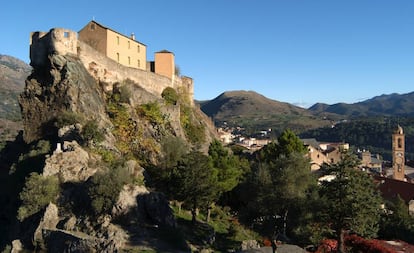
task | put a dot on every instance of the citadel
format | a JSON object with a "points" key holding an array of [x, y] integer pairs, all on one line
{"points": [[111, 57]]}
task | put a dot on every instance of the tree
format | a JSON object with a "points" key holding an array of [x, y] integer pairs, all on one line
{"points": [[396, 222], [352, 201], [282, 181], [287, 143], [36, 194], [104, 188], [228, 167], [193, 181], [286, 184]]}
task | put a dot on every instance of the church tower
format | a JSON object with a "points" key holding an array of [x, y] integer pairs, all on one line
{"points": [[398, 151]]}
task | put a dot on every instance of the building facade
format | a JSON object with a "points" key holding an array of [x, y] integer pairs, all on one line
{"points": [[120, 48]]}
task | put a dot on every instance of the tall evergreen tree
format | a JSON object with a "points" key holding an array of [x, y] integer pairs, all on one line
{"points": [[193, 181], [352, 201], [281, 180]]}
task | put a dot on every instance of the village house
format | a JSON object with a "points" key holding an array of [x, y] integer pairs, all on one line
{"points": [[370, 161], [324, 152]]}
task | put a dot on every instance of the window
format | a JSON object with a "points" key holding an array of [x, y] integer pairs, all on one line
{"points": [[129, 60], [117, 57], [139, 63], [92, 27], [138, 48], [117, 40], [129, 44], [399, 143], [66, 34]]}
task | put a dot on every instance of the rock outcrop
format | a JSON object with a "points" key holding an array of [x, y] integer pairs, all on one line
{"points": [[65, 85], [49, 221], [72, 164], [155, 207], [60, 98]]}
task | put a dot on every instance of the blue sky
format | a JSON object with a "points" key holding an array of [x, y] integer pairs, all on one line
{"points": [[295, 51]]}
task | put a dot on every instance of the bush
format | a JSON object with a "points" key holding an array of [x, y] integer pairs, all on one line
{"points": [[152, 113], [193, 131], [91, 132], [170, 96], [36, 194], [105, 188], [67, 118]]}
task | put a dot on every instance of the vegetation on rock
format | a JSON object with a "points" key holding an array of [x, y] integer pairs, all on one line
{"points": [[37, 193], [170, 95]]}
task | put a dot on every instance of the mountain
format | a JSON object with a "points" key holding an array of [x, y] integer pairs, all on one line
{"points": [[257, 112], [384, 105], [13, 72]]}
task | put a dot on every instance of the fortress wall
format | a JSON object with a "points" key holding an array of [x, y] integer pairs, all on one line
{"points": [[56, 41], [109, 71], [63, 41]]}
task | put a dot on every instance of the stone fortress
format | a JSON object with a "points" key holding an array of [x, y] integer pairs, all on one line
{"points": [[110, 58]]}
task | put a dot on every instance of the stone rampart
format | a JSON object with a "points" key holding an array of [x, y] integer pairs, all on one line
{"points": [[63, 41], [109, 71], [56, 41]]}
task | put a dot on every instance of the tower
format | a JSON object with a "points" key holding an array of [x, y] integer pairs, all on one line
{"points": [[398, 150]]}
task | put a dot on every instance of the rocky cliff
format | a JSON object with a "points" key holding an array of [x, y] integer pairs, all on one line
{"points": [[87, 149]]}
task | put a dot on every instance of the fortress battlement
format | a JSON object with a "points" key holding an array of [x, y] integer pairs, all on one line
{"points": [[114, 61]]}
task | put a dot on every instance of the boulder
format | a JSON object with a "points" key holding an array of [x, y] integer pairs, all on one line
{"points": [[17, 246], [127, 200], [249, 244], [71, 165], [49, 221], [155, 207]]}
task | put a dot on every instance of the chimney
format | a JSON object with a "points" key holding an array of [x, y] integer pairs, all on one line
{"points": [[132, 36]]}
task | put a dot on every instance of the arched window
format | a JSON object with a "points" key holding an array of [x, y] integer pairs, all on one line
{"points": [[117, 57], [399, 143]]}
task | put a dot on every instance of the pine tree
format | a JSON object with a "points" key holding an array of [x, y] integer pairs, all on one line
{"points": [[352, 202]]}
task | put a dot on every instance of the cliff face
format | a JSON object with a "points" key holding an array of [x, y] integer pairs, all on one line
{"points": [[100, 139], [64, 85]]}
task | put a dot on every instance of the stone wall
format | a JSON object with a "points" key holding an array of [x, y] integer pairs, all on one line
{"points": [[56, 41], [109, 71], [63, 41]]}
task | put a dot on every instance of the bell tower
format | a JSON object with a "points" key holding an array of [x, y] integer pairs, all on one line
{"points": [[398, 151]]}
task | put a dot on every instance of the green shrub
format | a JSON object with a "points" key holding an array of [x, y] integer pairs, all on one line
{"points": [[105, 188], [36, 194], [152, 113], [42, 147], [170, 95], [68, 118], [91, 132], [193, 131]]}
